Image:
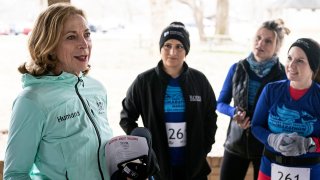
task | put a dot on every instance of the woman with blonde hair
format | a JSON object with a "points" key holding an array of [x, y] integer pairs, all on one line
{"points": [[59, 123], [243, 85]]}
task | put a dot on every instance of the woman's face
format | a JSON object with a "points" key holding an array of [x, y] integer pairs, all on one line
{"points": [[297, 67], [265, 44], [74, 46], [173, 54]]}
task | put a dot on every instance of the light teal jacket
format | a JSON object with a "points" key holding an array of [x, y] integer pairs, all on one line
{"points": [[58, 129]]}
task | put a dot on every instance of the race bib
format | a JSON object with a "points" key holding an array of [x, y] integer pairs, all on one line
{"points": [[176, 133], [279, 172]]}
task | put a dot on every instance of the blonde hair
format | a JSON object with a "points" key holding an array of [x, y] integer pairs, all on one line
{"points": [[277, 26], [44, 39]]}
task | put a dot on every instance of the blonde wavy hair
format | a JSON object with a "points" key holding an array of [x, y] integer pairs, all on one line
{"points": [[277, 26], [44, 39]]}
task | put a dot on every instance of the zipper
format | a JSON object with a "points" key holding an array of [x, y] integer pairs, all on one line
{"points": [[91, 119]]}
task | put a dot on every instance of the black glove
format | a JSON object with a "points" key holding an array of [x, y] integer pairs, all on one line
{"points": [[134, 169]]}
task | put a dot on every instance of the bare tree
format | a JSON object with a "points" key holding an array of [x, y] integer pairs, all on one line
{"points": [[197, 9], [158, 18], [222, 18]]}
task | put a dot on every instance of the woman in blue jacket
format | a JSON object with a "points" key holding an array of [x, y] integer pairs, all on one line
{"points": [[243, 85], [287, 118], [59, 123]]}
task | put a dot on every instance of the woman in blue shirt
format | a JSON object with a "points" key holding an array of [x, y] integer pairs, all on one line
{"points": [[287, 118]]}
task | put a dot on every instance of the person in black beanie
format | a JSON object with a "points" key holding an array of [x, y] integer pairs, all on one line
{"points": [[177, 104], [287, 118], [176, 30], [311, 49]]}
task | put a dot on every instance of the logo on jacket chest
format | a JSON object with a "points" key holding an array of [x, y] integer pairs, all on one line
{"points": [[195, 98], [100, 106], [96, 107], [68, 116]]}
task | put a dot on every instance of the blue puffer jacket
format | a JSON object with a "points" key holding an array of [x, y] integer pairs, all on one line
{"points": [[58, 129]]}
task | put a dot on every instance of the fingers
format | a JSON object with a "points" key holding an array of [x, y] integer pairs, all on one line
{"points": [[239, 116], [286, 140], [287, 147], [244, 123], [293, 135], [247, 123], [241, 119], [291, 145], [290, 150]]}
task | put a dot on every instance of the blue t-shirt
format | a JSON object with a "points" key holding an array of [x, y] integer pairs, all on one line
{"points": [[174, 109]]}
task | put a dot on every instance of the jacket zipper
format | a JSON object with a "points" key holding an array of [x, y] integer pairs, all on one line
{"points": [[91, 119]]}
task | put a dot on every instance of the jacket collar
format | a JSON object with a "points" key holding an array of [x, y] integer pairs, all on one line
{"points": [[64, 77], [165, 76]]}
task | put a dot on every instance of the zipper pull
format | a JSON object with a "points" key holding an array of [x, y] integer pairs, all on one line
{"points": [[81, 81]]}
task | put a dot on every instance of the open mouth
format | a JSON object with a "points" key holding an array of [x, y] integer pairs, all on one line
{"points": [[259, 49], [81, 58]]}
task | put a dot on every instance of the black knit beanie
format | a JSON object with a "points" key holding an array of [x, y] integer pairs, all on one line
{"points": [[312, 50], [176, 30]]}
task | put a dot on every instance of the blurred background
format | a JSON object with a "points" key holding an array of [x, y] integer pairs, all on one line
{"points": [[126, 34]]}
